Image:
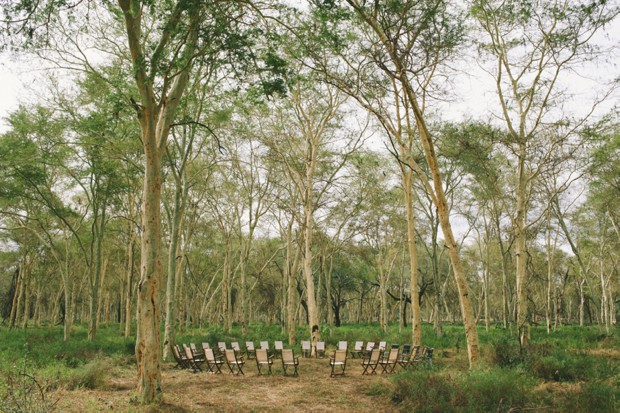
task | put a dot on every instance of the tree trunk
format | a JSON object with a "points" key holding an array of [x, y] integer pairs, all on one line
{"points": [[416, 319], [148, 338]]}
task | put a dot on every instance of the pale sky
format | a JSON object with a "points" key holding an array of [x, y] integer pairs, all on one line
{"points": [[474, 93]]}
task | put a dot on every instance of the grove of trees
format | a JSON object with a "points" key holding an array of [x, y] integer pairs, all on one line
{"points": [[239, 161]]}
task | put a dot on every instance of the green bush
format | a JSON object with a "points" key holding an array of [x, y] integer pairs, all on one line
{"points": [[497, 390], [506, 352], [91, 376], [592, 397], [426, 391]]}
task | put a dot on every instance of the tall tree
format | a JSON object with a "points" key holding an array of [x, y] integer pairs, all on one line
{"points": [[534, 43]]}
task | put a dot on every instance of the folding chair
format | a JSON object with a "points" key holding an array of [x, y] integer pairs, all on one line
{"points": [[369, 347], [213, 363], [320, 349], [250, 351], [221, 346], [370, 365], [235, 346], [410, 357], [289, 360], [234, 363], [338, 362], [193, 363], [181, 360], [262, 360], [389, 364], [205, 345], [198, 355], [306, 350], [278, 346], [358, 349]]}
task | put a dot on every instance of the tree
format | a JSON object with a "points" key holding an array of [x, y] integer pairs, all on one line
{"points": [[534, 43]]}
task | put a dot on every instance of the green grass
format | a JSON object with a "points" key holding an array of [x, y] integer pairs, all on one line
{"points": [[583, 361]]}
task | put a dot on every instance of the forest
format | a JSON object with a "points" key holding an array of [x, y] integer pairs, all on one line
{"points": [[310, 167]]}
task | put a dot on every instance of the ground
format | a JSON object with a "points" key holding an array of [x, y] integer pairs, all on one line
{"points": [[184, 391]]}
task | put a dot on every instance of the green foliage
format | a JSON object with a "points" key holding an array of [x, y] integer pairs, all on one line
{"points": [[592, 397], [426, 391], [506, 352], [497, 390]]}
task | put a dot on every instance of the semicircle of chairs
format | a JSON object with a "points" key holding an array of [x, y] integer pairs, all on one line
{"points": [[374, 356]]}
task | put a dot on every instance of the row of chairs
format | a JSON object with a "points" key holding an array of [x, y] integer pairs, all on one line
{"points": [[191, 358], [379, 357]]}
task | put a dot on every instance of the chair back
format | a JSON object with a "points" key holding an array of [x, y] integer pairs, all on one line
{"points": [[249, 345], [340, 356], [370, 345], [261, 355], [382, 345], [288, 356], [278, 345], [374, 355], [406, 349], [188, 352], [359, 345], [320, 346], [205, 345], [305, 345], [209, 355], [176, 352], [342, 345], [393, 356], [235, 346], [221, 346], [230, 356], [264, 345]]}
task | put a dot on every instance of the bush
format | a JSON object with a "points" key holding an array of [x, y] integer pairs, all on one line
{"points": [[563, 366], [507, 352], [497, 390], [425, 391], [25, 392], [593, 397], [90, 376]]}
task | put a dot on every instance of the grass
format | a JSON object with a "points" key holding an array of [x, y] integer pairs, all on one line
{"points": [[575, 368]]}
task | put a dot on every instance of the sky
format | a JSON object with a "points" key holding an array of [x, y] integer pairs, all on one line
{"points": [[474, 93]]}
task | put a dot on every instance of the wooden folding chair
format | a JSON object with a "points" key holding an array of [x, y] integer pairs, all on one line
{"points": [[320, 349], [389, 364], [193, 363], [409, 358], [235, 364], [368, 349], [289, 360], [214, 364], [181, 360], [198, 355], [263, 359], [250, 351], [306, 350], [338, 363], [358, 349], [372, 362], [278, 346]]}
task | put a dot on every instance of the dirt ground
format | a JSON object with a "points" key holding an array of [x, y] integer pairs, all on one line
{"points": [[184, 391]]}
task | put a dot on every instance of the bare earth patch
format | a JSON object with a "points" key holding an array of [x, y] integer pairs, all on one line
{"points": [[312, 391]]}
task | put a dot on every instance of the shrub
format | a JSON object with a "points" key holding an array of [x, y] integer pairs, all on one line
{"points": [[507, 352], [426, 391], [90, 376], [592, 397], [497, 390]]}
